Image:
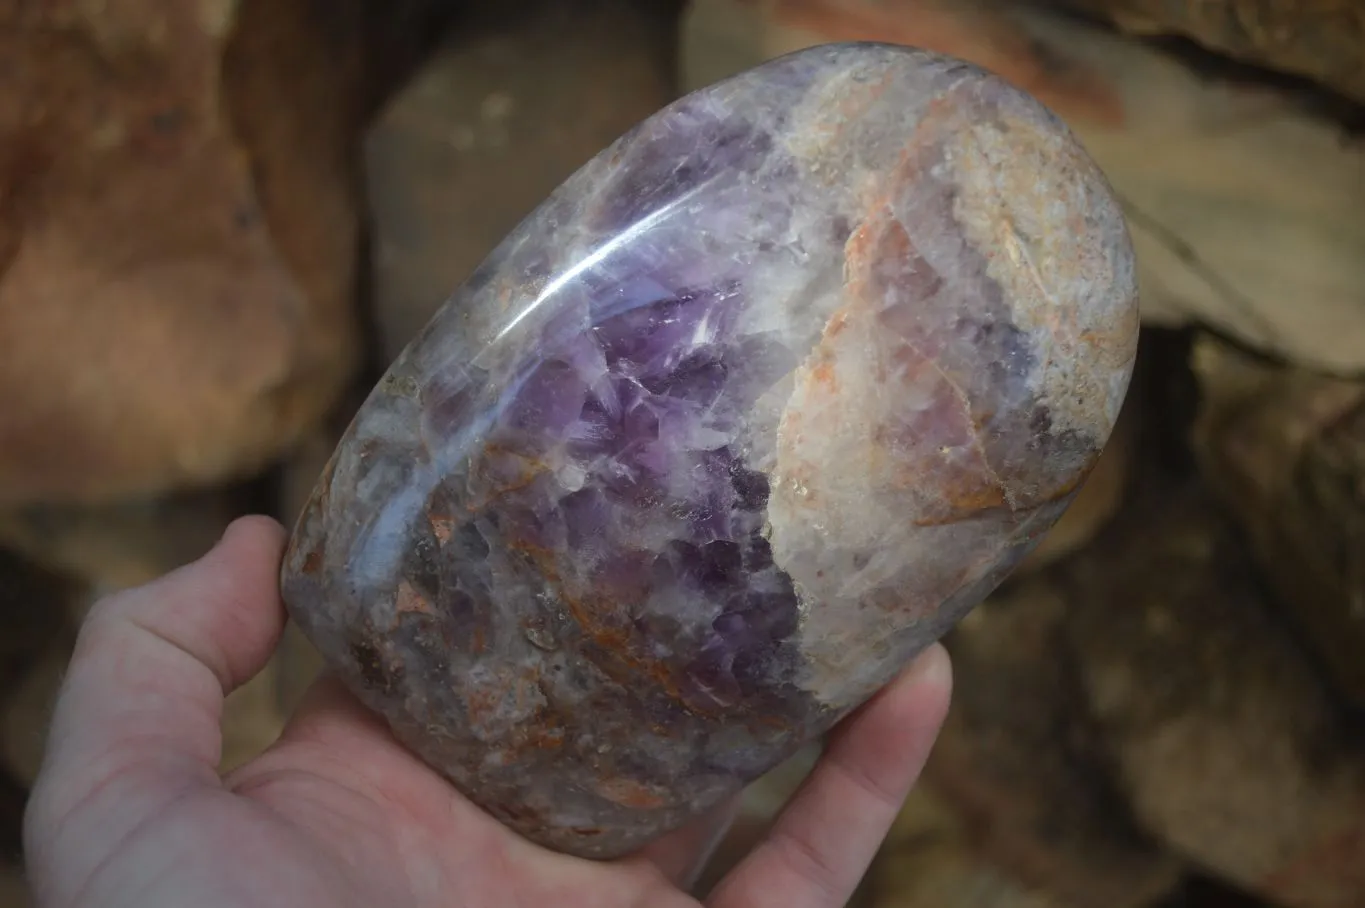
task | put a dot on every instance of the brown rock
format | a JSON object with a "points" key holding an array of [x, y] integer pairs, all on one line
{"points": [[1285, 450], [931, 858], [298, 665], [178, 232], [929, 861], [1019, 761], [252, 718], [721, 37], [1225, 740], [112, 547], [491, 126], [1243, 198], [1321, 41]]}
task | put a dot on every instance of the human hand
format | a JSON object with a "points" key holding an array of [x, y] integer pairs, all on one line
{"points": [[129, 808]]}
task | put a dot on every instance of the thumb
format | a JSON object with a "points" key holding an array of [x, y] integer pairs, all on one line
{"points": [[137, 719]]}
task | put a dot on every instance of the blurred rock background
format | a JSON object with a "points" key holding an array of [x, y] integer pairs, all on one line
{"points": [[219, 221]]}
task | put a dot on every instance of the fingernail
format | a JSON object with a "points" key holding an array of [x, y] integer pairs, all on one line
{"points": [[227, 531], [240, 523], [933, 666]]}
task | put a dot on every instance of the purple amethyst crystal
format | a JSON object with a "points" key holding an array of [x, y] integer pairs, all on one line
{"points": [[755, 407]]}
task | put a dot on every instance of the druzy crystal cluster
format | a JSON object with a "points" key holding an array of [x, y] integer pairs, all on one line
{"points": [[743, 417]]}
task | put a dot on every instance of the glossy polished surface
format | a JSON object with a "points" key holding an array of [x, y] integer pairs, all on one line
{"points": [[748, 413]]}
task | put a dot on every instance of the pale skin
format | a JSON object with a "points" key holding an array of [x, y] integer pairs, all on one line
{"points": [[130, 810]]}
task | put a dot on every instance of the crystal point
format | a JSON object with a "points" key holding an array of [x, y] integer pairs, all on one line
{"points": [[755, 407]]}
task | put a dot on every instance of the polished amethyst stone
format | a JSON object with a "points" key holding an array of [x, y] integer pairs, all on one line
{"points": [[758, 404]]}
